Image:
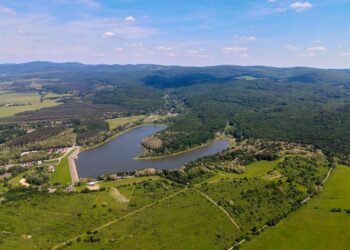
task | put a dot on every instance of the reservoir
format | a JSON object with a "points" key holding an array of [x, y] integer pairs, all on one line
{"points": [[118, 155]]}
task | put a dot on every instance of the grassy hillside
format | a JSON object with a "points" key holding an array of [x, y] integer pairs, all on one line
{"points": [[186, 221], [17, 102], [118, 122], [62, 174], [314, 226], [35, 219]]}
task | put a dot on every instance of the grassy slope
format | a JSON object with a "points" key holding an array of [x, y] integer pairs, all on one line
{"points": [[186, 221], [62, 173], [23, 98], [120, 183], [311, 228], [259, 168], [114, 123], [50, 219]]}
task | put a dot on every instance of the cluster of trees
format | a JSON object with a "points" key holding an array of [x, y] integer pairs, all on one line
{"points": [[10, 131], [134, 98], [306, 171], [39, 134]]}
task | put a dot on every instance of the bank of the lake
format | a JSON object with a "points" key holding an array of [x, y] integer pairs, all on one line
{"points": [[118, 154], [146, 157]]}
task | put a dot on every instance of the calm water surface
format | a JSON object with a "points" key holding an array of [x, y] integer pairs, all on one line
{"points": [[118, 154]]}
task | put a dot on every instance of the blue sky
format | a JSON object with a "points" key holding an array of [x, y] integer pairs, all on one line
{"points": [[198, 32]]}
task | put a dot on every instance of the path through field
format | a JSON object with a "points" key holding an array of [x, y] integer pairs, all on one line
{"points": [[123, 217], [118, 196], [220, 207]]}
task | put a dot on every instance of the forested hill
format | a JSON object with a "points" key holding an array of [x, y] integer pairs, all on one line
{"points": [[304, 105], [167, 76]]}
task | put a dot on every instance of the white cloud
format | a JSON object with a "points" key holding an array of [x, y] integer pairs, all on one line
{"points": [[230, 50], [197, 53], [237, 51], [271, 1], [315, 49], [317, 41], [119, 50], [135, 45], [163, 48], [344, 54], [246, 38], [21, 32], [108, 34], [7, 11], [301, 6], [310, 54], [292, 47], [130, 19]]}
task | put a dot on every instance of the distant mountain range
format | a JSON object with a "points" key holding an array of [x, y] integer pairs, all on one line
{"points": [[168, 76]]}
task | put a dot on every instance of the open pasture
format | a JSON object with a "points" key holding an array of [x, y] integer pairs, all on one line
{"points": [[314, 226]]}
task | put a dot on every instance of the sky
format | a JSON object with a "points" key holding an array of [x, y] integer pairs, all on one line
{"points": [[281, 33]]}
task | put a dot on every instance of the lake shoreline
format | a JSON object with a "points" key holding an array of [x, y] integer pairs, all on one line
{"points": [[114, 136], [122, 151], [160, 157]]}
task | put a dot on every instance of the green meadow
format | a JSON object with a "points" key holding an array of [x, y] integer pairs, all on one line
{"points": [[62, 174], [314, 226], [21, 102], [184, 221], [38, 220], [258, 168], [118, 122]]}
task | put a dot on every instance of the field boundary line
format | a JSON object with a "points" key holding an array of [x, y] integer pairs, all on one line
{"points": [[220, 207], [123, 217]]}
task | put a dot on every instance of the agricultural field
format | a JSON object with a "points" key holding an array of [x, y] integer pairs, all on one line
{"points": [[314, 226], [119, 122], [16, 102]]}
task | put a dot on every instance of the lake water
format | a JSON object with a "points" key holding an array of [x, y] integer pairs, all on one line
{"points": [[118, 154]]}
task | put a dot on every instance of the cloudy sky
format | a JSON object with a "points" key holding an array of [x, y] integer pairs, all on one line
{"points": [[183, 32]]}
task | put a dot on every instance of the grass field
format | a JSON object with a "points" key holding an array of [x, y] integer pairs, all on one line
{"points": [[253, 202], [311, 228], [157, 118], [120, 183], [41, 221], [62, 173], [114, 123], [128, 181], [47, 220], [256, 169], [28, 101], [20, 98], [185, 221], [14, 182]]}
